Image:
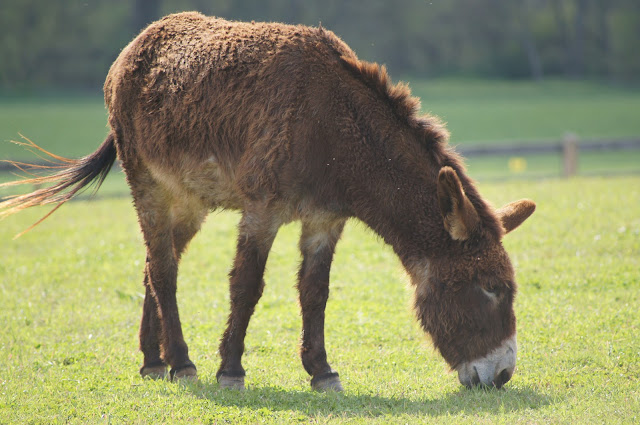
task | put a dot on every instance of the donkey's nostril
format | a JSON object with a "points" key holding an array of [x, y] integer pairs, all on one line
{"points": [[468, 376], [475, 378], [502, 378]]}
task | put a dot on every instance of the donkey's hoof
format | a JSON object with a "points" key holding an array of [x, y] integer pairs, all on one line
{"points": [[327, 382], [187, 372], [157, 371], [231, 382]]}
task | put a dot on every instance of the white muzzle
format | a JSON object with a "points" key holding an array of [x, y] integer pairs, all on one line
{"points": [[493, 370]]}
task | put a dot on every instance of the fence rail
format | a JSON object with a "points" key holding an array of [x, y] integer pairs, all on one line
{"points": [[547, 147], [568, 147]]}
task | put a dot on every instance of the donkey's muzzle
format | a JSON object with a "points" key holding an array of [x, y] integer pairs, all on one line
{"points": [[493, 370]]}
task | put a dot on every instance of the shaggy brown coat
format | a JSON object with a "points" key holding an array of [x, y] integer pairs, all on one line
{"points": [[285, 123]]}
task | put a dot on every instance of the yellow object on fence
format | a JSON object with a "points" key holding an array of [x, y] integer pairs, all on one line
{"points": [[517, 164]]}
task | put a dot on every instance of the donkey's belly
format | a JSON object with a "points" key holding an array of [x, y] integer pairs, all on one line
{"points": [[205, 181]]}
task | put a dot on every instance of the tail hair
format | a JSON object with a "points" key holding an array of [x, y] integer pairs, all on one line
{"points": [[72, 177]]}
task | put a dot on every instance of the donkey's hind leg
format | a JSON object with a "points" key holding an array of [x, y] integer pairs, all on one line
{"points": [[317, 244], [186, 223], [166, 230], [255, 237], [153, 366]]}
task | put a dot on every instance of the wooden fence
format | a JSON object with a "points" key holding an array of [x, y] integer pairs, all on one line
{"points": [[569, 147]]}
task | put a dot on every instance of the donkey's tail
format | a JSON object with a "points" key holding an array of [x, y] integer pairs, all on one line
{"points": [[72, 176]]}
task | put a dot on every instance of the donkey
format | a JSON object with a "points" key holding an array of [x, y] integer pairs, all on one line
{"points": [[285, 123]]}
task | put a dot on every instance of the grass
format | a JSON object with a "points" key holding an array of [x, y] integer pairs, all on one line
{"points": [[72, 288], [68, 126], [508, 112], [481, 112], [72, 291]]}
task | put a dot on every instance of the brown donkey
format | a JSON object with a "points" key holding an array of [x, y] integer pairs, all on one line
{"points": [[285, 123]]}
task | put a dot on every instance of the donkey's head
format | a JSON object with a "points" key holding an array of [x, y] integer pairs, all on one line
{"points": [[466, 300]]}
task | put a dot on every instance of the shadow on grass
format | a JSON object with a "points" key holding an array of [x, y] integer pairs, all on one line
{"points": [[365, 405]]}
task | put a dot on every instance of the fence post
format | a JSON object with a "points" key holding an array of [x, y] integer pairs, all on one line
{"points": [[570, 154]]}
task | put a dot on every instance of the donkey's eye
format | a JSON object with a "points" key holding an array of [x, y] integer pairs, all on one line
{"points": [[491, 293]]}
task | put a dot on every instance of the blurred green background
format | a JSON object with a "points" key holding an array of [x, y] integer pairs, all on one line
{"points": [[60, 44], [507, 72]]}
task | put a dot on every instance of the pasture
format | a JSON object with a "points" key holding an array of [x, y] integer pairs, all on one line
{"points": [[72, 291], [72, 299]]}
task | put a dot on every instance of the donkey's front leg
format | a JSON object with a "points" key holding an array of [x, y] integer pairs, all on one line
{"points": [[317, 245], [255, 237]]}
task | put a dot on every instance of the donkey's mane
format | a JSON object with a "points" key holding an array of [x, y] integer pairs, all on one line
{"points": [[399, 97], [434, 135]]}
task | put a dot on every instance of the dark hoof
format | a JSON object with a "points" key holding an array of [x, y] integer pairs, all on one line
{"points": [[327, 382], [231, 382], [155, 371], [187, 372]]}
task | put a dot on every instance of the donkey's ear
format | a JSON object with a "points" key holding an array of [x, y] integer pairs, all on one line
{"points": [[460, 217], [512, 215]]}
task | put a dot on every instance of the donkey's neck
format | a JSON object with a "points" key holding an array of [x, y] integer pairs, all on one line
{"points": [[397, 198], [390, 165], [396, 195]]}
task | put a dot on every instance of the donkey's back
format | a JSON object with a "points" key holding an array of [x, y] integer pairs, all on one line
{"points": [[212, 107]]}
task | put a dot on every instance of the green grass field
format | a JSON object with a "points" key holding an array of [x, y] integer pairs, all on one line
{"points": [[481, 112], [72, 300], [72, 292]]}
